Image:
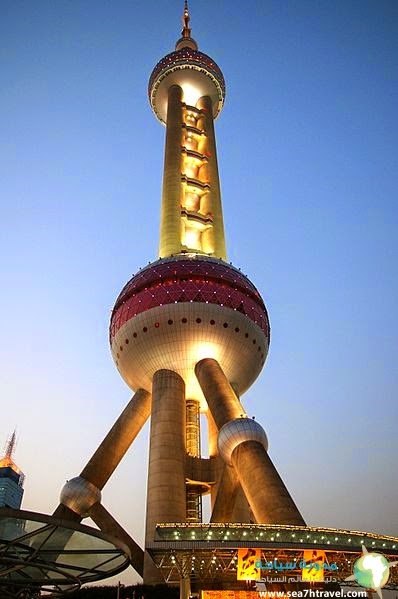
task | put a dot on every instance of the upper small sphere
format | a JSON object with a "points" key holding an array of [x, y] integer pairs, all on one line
{"points": [[195, 72]]}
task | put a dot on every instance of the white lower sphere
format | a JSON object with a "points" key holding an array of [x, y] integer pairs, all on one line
{"points": [[240, 347]]}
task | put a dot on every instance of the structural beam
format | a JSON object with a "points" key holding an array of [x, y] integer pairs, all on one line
{"points": [[114, 446], [166, 501], [80, 493], [107, 524], [265, 491]]}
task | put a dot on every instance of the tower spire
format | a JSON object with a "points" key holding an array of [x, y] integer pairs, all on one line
{"points": [[10, 447], [186, 31], [186, 41]]}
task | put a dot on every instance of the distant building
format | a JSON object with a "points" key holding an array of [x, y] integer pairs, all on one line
{"points": [[11, 478]]}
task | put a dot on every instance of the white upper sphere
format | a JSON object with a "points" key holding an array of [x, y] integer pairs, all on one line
{"points": [[195, 72]]}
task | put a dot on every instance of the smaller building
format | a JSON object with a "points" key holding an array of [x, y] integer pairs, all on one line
{"points": [[11, 478]]}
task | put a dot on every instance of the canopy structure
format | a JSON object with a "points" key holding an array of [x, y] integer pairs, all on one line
{"points": [[40, 552], [208, 553]]}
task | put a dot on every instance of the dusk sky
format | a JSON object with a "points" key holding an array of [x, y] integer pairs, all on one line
{"points": [[307, 149]]}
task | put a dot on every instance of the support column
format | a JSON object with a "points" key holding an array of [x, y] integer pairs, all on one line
{"points": [[242, 511], [185, 588], [166, 474], [126, 428], [81, 492], [107, 524], [226, 496], [170, 218], [221, 398], [264, 489], [205, 104], [228, 503]]}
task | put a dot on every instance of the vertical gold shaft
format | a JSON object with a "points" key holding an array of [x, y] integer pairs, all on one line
{"points": [[191, 216], [170, 218], [217, 231]]}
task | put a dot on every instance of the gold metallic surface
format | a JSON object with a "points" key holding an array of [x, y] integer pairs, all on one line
{"points": [[170, 219]]}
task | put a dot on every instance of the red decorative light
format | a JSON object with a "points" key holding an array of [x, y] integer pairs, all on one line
{"points": [[188, 280]]}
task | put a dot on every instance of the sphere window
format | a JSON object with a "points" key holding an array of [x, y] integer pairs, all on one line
{"points": [[126, 341], [145, 329], [246, 335], [225, 325], [170, 321], [121, 348], [157, 325], [134, 334], [184, 320], [198, 320], [236, 329], [254, 342], [212, 322]]}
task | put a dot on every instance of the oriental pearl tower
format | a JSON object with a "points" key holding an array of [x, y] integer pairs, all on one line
{"points": [[192, 329], [189, 334]]}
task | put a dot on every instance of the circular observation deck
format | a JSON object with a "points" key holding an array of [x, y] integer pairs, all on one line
{"points": [[195, 72], [180, 310]]}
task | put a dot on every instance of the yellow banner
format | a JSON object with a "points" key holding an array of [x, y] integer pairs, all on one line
{"points": [[314, 564], [247, 559]]}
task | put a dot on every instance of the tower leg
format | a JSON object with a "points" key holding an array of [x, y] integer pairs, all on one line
{"points": [[265, 491], [112, 449], [105, 459], [226, 496], [185, 588], [107, 524], [228, 503], [166, 474], [81, 496]]}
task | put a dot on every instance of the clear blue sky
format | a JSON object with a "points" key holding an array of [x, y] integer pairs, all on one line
{"points": [[307, 148]]}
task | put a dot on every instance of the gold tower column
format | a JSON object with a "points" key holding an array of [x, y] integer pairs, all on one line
{"points": [[217, 230], [170, 219]]}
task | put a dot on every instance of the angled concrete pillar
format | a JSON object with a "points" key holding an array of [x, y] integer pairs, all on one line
{"points": [[80, 493], [107, 524], [226, 496], [265, 491], [126, 428], [244, 446]]}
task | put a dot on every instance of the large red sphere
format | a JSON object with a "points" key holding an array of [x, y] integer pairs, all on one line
{"points": [[179, 310]]}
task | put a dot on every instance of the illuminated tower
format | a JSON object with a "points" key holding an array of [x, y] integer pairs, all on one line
{"points": [[11, 478], [189, 334], [191, 329]]}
